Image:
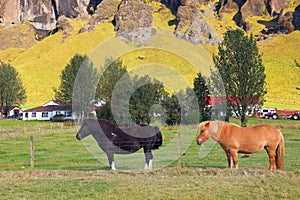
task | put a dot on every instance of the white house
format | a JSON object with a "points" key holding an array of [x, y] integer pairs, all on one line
{"points": [[10, 112], [47, 111]]}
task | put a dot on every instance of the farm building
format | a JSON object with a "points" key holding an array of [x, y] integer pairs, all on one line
{"points": [[47, 111], [10, 111]]}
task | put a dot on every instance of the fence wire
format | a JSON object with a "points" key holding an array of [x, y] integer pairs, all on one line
{"points": [[55, 147]]}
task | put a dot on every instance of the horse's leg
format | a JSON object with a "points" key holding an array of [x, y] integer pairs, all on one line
{"points": [[233, 153], [229, 158], [272, 158], [148, 158], [111, 160]]}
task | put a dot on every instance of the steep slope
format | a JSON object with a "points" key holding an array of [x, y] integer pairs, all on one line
{"points": [[279, 57], [40, 65]]}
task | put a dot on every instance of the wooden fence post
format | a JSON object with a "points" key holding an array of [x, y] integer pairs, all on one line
{"points": [[24, 128], [31, 151], [179, 151]]}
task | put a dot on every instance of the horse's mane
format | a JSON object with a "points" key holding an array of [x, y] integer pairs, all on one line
{"points": [[107, 126], [202, 124], [104, 122], [214, 126]]}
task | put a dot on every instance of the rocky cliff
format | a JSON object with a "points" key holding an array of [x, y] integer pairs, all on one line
{"points": [[249, 8], [133, 18]]}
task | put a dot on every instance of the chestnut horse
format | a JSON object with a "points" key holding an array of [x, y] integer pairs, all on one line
{"points": [[114, 140], [235, 139]]}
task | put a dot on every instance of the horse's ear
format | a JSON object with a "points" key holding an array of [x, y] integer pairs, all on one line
{"points": [[204, 125], [213, 127]]}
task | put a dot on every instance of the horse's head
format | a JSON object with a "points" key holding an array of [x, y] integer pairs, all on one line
{"points": [[84, 131], [204, 133]]}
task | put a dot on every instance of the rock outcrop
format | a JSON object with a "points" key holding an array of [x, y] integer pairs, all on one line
{"points": [[41, 14], [105, 11], [64, 25], [68, 8], [289, 21], [296, 18], [186, 13], [246, 8], [17, 37], [285, 21], [133, 18], [200, 32], [191, 25], [8, 11], [134, 22], [253, 7], [227, 5]]}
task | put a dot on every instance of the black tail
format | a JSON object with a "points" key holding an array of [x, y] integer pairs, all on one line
{"points": [[159, 139]]}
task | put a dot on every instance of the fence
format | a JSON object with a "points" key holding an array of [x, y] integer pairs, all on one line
{"points": [[25, 137], [54, 146], [37, 127]]}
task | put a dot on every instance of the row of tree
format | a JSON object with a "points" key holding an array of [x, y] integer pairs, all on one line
{"points": [[132, 99], [238, 62]]}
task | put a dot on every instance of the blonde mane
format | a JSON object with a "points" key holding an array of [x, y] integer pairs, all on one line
{"points": [[215, 127]]}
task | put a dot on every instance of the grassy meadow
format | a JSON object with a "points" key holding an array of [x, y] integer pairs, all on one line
{"points": [[64, 168]]}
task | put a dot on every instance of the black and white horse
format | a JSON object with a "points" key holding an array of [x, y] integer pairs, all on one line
{"points": [[115, 140]]}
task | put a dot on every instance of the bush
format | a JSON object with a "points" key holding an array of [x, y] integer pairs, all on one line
{"points": [[58, 118]]}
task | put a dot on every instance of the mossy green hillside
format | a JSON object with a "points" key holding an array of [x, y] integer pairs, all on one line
{"points": [[40, 66]]}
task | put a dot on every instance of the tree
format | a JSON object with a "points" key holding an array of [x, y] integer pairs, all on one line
{"points": [[111, 77], [64, 93], [203, 95], [187, 106], [128, 99], [240, 66], [173, 110], [78, 85], [12, 91], [147, 93]]}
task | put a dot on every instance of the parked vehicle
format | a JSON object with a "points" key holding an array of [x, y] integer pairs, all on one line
{"points": [[296, 115], [267, 113]]}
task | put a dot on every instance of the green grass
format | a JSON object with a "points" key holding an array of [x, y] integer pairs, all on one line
{"points": [[41, 65], [162, 184], [64, 169], [56, 148], [283, 76]]}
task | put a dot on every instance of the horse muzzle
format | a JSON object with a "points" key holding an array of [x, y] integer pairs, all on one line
{"points": [[199, 142], [78, 137]]}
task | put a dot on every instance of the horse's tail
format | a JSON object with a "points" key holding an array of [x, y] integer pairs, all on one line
{"points": [[280, 154], [158, 140]]}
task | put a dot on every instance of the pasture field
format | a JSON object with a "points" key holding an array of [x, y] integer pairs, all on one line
{"points": [[64, 168]]}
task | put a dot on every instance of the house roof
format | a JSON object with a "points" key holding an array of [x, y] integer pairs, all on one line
{"points": [[214, 99], [48, 108], [9, 108], [51, 103]]}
